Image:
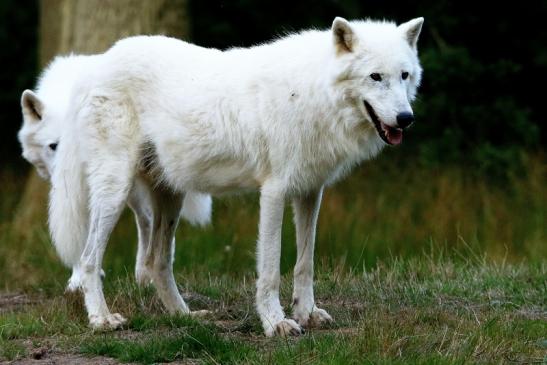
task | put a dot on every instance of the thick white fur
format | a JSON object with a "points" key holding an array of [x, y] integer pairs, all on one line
{"points": [[197, 208], [68, 208], [286, 118]]}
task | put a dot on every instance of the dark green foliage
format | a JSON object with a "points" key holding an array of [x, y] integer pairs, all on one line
{"points": [[479, 102], [18, 55]]}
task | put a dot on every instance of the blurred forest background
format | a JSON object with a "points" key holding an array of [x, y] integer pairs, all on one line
{"points": [[470, 173], [478, 102]]}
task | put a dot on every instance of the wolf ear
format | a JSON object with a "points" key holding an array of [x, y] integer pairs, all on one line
{"points": [[32, 106], [411, 31], [344, 36]]}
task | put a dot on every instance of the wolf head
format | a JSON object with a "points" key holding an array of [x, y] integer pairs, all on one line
{"points": [[380, 71], [40, 133]]}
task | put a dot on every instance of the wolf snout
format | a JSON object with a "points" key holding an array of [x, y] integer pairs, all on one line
{"points": [[405, 119]]}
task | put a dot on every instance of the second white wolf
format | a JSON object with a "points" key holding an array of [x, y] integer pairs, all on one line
{"points": [[286, 118], [43, 124]]}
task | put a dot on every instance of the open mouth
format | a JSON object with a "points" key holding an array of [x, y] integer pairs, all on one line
{"points": [[390, 135]]}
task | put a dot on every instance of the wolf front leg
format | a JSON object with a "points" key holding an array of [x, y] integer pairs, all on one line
{"points": [[272, 200], [306, 211]]}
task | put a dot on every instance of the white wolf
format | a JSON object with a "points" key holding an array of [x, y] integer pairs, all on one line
{"points": [[287, 118], [43, 122]]}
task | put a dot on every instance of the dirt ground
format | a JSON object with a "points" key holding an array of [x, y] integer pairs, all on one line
{"points": [[15, 301]]}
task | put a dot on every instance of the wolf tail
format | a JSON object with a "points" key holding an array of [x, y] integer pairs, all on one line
{"points": [[68, 202], [196, 208]]}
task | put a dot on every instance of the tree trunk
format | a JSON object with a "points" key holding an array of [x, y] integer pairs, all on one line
{"points": [[92, 26]]}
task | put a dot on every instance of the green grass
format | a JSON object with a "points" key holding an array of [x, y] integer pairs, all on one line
{"points": [[422, 310], [187, 340], [417, 266]]}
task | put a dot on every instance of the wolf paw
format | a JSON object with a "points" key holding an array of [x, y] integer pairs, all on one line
{"points": [[200, 314], [107, 322], [284, 328], [316, 318]]}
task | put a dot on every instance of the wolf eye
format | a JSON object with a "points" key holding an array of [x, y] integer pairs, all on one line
{"points": [[404, 75], [376, 76], [53, 146]]}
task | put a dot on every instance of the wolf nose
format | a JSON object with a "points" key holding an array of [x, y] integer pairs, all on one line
{"points": [[405, 119]]}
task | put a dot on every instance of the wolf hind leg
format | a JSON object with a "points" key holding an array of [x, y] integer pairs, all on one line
{"points": [[140, 202], [109, 148], [166, 207], [109, 188]]}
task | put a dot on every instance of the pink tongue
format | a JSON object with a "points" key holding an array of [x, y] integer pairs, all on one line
{"points": [[394, 136]]}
